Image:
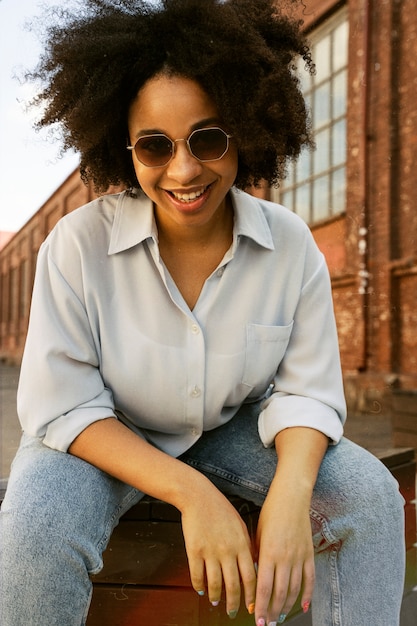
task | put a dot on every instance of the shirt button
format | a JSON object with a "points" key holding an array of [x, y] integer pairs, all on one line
{"points": [[195, 329], [194, 431], [220, 272], [196, 392]]}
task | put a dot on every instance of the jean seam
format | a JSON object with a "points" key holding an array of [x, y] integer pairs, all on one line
{"points": [[334, 546], [334, 577], [109, 527], [228, 476], [87, 608]]}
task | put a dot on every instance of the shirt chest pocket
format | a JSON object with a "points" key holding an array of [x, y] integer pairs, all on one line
{"points": [[265, 349]]}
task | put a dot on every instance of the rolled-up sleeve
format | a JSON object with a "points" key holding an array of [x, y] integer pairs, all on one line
{"points": [[308, 387], [61, 390]]}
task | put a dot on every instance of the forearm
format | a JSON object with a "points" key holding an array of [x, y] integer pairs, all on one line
{"points": [[112, 447], [300, 452], [285, 549]]}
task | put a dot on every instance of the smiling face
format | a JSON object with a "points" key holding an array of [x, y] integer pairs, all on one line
{"points": [[185, 191]]}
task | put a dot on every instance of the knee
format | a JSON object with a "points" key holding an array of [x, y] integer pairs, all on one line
{"points": [[43, 543], [380, 490], [357, 483], [31, 530], [376, 502]]}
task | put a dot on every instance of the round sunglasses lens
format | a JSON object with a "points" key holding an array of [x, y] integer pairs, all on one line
{"points": [[208, 144], [154, 150]]}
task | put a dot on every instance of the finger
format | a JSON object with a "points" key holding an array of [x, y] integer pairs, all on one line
{"points": [[197, 575], [293, 591], [248, 577], [308, 584], [264, 588], [232, 587], [214, 581]]}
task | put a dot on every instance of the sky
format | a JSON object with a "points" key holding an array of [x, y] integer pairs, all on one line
{"points": [[31, 167]]}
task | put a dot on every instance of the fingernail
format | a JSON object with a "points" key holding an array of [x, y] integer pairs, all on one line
{"points": [[260, 622], [306, 606], [282, 618], [201, 592], [272, 624], [232, 614], [215, 603]]}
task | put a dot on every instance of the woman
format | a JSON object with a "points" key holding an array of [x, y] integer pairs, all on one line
{"points": [[184, 329]]}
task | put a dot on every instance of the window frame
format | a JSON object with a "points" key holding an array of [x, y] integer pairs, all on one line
{"points": [[315, 187]]}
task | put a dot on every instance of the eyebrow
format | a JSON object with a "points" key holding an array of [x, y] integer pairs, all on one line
{"points": [[157, 131]]}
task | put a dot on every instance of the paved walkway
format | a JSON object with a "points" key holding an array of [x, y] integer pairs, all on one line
{"points": [[372, 431]]}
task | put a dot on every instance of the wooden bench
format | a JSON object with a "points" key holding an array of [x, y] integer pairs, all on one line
{"points": [[145, 579]]}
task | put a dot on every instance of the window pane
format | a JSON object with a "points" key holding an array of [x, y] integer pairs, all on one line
{"points": [[321, 57], [339, 142], [304, 76], [321, 107], [287, 199], [339, 95], [321, 198], [340, 46], [339, 191], [321, 158], [302, 202], [289, 180], [303, 165]]}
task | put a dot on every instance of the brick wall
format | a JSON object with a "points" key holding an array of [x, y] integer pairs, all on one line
{"points": [[18, 260]]}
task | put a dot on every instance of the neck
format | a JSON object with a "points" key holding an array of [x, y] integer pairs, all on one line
{"points": [[181, 237]]}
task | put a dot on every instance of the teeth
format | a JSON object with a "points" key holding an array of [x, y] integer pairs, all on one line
{"points": [[187, 197]]}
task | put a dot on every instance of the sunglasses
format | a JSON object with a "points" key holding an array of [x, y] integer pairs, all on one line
{"points": [[204, 144]]}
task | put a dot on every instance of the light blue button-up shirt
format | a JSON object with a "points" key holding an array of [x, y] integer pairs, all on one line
{"points": [[111, 335]]}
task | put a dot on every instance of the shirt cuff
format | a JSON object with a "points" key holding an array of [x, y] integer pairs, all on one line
{"points": [[286, 411], [61, 432]]}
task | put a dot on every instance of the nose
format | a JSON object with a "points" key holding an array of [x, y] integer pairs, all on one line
{"points": [[183, 167]]}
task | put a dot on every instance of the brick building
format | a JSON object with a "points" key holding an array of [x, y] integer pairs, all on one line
{"points": [[356, 191]]}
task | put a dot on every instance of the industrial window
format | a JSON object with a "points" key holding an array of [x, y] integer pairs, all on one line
{"points": [[316, 184]]}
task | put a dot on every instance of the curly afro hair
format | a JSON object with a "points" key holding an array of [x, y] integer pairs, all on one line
{"points": [[243, 53]]}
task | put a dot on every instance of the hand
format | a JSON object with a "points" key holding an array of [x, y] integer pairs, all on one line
{"points": [[285, 556], [219, 550]]}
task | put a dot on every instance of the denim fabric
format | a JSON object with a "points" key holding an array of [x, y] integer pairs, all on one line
{"points": [[59, 513]]}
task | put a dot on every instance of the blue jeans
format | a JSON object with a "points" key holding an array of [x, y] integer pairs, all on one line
{"points": [[59, 513]]}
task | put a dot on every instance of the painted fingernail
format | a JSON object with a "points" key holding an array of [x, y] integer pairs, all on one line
{"points": [[260, 622], [251, 608], [272, 624], [215, 603], [232, 614], [306, 606], [201, 592], [282, 618]]}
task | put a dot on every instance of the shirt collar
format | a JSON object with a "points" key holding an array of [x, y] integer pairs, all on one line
{"points": [[128, 230], [133, 221], [250, 220]]}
